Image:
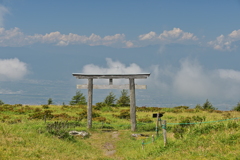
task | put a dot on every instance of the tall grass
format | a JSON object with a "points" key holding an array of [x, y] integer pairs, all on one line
{"points": [[22, 137]]}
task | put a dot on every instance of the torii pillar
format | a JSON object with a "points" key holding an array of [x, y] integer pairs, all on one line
{"points": [[131, 86]]}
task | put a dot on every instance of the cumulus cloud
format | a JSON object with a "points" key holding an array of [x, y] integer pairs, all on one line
{"points": [[3, 11], [15, 38], [150, 35], [226, 43], [113, 67], [176, 35], [193, 81], [12, 69]]}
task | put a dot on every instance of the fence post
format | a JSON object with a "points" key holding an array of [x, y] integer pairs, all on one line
{"points": [[143, 144], [45, 117], [164, 129], [153, 138], [157, 124]]}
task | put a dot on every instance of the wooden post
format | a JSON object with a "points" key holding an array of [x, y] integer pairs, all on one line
{"points": [[45, 118], [110, 81], [157, 126], [143, 144], [89, 109], [164, 129], [132, 104]]}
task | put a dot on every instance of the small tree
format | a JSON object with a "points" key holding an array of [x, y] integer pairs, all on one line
{"points": [[237, 108], [1, 102], [50, 101], [198, 106], [208, 105], [110, 99], [124, 99], [79, 99]]}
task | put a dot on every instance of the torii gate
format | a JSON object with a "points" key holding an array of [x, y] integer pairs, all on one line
{"points": [[131, 86]]}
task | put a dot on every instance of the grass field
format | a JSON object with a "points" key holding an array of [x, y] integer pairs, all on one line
{"points": [[191, 134]]}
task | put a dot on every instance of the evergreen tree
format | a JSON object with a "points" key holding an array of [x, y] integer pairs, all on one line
{"points": [[124, 99], [208, 105], [50, 101], [110, 99], [1, 102], [78, 99], [237, 108]]}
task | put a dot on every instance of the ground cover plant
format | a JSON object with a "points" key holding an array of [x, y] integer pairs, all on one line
{"points": [[42, 132]]}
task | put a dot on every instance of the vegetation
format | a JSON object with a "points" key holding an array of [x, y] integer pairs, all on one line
{"points": [[32, 132], [50, 101], [237, 108], [78, 99], [124, 99], [206, 106], [1, 102], [110, 99]]}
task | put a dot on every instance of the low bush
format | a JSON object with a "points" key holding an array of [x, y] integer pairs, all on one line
{"points": [[42, 115], [124, 114], [145, 120]]}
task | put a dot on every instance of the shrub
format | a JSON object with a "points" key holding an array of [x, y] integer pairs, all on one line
{"points": [[1, 102], [99, 105], [45, 106], [207, 105], [145, 120], [83, 115], [178, 131], [62, 116], [41, 115], [79, 98], [124, 114], [106, 109], [181, 107], [190, 110], [124, 99], [61, 129], [100, 119], [110, 99], [50, 101], [198, 106], [237, 108]]}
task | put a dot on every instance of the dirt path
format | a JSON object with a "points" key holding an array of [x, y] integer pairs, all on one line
{"points": [[109, 146]]}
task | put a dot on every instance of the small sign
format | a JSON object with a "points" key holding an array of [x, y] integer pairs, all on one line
{"points": [[155, 115]]}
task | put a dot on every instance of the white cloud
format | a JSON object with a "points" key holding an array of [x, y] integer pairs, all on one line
{"points": [[226, 43], [191, 81], [150, 35], [115, 67], [12, 69], [3, 11], [15, 38], [172, 36], [129, 44], [112, 67], [7, 91], [229, 74]]}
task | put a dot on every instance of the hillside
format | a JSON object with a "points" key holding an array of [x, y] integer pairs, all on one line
{"points": [[41, 132]]}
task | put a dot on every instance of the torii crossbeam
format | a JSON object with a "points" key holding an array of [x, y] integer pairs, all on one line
{"points": [[131, 86]]}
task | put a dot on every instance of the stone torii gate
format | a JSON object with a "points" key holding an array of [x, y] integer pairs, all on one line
{"points": [[130, 86]]}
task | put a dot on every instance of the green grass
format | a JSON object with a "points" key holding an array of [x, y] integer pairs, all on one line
{"points": [[27, 139]]}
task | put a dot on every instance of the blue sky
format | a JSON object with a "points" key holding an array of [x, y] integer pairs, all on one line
{"points": [[191, 49]]}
